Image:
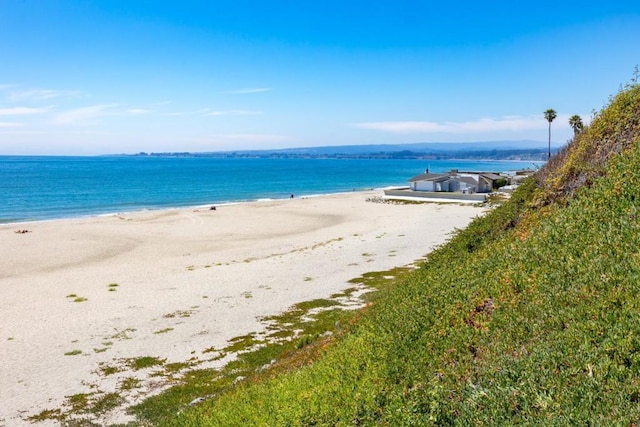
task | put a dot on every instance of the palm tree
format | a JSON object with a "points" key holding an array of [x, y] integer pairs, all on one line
{"points": [[550, 114], [576, 124]]}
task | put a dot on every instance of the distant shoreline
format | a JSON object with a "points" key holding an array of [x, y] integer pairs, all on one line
{"points": [[534, 155]]}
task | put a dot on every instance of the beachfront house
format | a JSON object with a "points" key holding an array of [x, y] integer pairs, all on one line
{"points": [[454, 181], [429, 182]]}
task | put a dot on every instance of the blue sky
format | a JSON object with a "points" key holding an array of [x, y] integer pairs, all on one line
{"points": [[111, 76]]}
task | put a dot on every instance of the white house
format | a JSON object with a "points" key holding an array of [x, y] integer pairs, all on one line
{"points": [[454, 181], [430, 182]]}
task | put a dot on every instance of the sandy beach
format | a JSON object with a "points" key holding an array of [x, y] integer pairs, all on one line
{"points": [[78, 294]]}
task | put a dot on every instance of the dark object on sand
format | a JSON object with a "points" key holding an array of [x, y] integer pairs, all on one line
{"points": [[212, 208]]}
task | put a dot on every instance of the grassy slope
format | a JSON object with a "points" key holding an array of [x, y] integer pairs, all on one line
{"points": [[531, 315]]}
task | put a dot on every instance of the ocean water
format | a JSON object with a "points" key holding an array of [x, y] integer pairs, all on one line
{"points": [[36, 188]]}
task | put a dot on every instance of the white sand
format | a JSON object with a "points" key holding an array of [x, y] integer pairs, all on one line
{"points": [[209, 275]]}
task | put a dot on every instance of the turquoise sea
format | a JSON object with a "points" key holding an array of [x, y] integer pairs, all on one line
{"points": [[42, 188]]}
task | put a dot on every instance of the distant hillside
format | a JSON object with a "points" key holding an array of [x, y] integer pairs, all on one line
{"points": [[423, 147], [490, 150], [530, 316]]}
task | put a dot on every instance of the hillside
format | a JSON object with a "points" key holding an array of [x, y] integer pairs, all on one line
{"points": [[487, 150], [528, 316]]}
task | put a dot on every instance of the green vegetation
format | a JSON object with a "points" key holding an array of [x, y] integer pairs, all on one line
{"points": [[73, 352], [106, 402], [143, 362], [47, 414], [528, 316], [78, 402], [83, 406], [122, 335], [129, 383], [76, 298], [179, 313], [499, 183], [107, 370], [308, 326], [576, 124]]}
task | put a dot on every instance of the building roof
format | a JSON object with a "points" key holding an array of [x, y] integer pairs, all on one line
{"points": [[468, 180], [491, 176], [440, 177], [430, 177]]}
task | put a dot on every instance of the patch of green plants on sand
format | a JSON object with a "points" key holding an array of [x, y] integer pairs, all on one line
{"points": [[76, 298], [529, 316], [73, 352], [143, 362], [78, 402], [381, 280], [106, 402], [409, 202], [46, 414], [179, 313], [129, 383], [292, 339], [125, 334], [106, 369], [175, 367], [241, 343], [344, 294], [81, 409]]}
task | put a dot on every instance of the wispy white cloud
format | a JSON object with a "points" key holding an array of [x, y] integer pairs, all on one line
{"points": [[138, 111], [234, 113], [84, 115], [248, 90], [507, 123], [22, 111], [200, 112], [208, 112], [10, 124], [42, 94], [89, 115]]}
